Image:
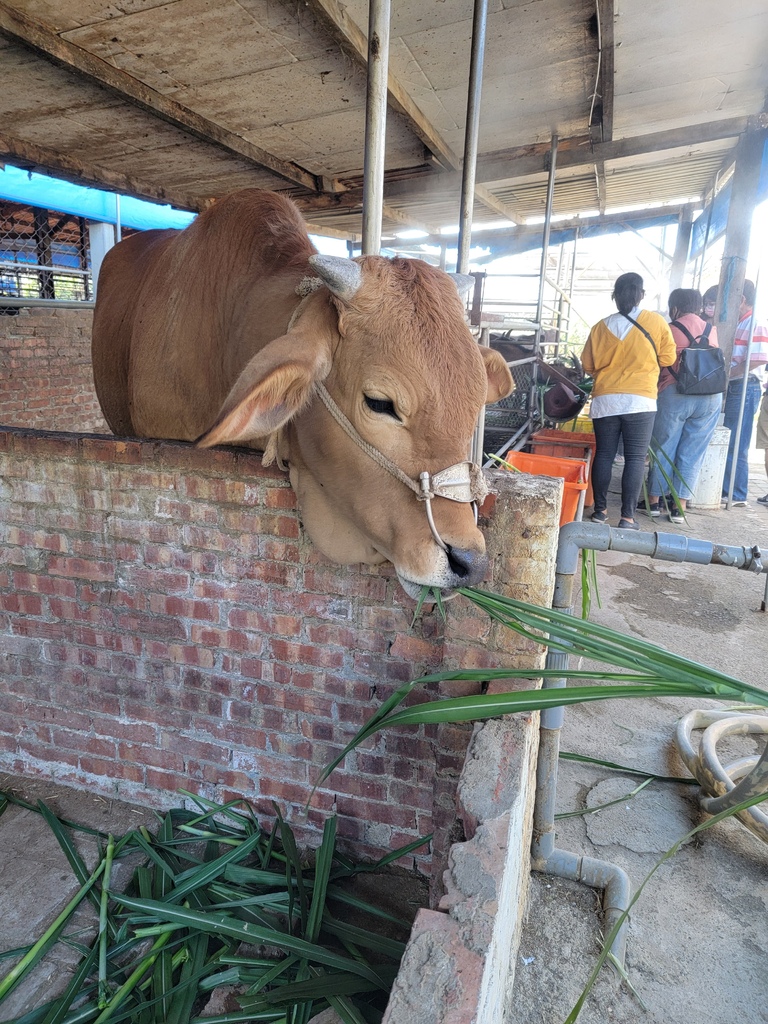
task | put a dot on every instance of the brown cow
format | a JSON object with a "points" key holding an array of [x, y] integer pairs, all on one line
{"points": [[204, 334]]}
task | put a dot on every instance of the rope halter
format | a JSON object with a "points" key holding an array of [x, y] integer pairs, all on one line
{"points": [[463, 481]]}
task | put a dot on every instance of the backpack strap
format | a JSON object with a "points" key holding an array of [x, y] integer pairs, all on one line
{"points": [[684, 330], [703, 339], [643, 330]]}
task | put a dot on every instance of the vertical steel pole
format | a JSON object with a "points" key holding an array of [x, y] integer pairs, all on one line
{"points": [[471, 134], [375, 125], [547, 225]]}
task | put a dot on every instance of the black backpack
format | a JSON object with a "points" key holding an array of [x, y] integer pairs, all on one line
{"points": [[702, 367]]}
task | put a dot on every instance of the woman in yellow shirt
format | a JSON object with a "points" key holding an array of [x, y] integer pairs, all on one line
{"points": [[624, 354]]}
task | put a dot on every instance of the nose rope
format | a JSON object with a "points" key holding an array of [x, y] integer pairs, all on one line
{"points": [[462, 482]]}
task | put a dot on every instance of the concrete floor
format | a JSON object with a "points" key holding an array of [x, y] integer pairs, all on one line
{"points": [[698, 936]]}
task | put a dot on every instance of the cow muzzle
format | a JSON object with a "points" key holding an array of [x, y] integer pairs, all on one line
{"points": [[463, 482]]}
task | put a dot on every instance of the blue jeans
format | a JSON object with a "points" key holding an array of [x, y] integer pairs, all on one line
{"points": [[732, 402], [634, 429], [681, 433]]}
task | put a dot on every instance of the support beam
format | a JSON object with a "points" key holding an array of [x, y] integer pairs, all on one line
{"points": [[517, 163], [682, 245], [39, 158], [746, 177], [606, 16], [25, 30], [487, 198]]}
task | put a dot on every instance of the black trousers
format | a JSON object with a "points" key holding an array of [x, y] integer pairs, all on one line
{"points": [[635, 430]]}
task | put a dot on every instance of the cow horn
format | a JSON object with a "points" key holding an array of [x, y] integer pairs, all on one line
{"points": [[464, 283], [342, 276]]}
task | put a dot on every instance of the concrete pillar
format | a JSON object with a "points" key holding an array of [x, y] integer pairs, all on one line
{"points": [[746, 176], [101, 238], [682, 245]]}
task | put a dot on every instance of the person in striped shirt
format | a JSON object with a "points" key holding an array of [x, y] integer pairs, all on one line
{"points": [[758, 359]]}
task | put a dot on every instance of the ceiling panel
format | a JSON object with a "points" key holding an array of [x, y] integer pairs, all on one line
{"points": [[190, 98]]}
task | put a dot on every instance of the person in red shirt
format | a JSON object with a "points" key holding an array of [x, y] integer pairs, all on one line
{"points": [[758, 358]]}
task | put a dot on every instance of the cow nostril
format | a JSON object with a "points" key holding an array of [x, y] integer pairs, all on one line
{"points": [[468, 566]]}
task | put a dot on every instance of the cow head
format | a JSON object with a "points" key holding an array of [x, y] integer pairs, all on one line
{"points": [[389, 342]]}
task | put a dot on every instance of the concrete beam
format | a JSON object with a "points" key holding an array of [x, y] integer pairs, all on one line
{"points": [[580, 152]]}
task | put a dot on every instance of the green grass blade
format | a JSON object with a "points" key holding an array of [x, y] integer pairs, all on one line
{"points": [[60, 1007], [323, 865], [71, 852], [182, 1002], [729, 812], [600, 807], [293, 870], [103, 922], [566, 755], [49, 937], [132, 981], [199, 877], [220, 924], [362, 937]]}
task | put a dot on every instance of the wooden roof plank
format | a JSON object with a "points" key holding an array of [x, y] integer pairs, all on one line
{"points": [[24, 29]]}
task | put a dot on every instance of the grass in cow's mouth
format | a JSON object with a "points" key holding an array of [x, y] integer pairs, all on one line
{"points": [[217, 901], [431, 595]]}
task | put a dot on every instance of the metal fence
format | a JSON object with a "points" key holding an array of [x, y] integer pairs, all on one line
{"points": [[44, 254]]}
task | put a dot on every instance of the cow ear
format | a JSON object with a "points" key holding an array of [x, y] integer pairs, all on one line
{"points": [[500, 382], [273, 388]]}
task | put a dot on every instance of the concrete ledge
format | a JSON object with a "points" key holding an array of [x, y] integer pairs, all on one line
{"points": [[458, 967]]}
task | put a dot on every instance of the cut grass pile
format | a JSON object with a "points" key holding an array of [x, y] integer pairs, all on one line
{"points": [[216, 900]]}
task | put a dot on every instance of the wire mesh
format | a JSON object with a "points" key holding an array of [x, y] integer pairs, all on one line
{"points": [[44, 254], [505, 418]]}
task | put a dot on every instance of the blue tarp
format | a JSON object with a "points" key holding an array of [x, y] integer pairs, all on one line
{"points": [[51, 194], [720, 210]]}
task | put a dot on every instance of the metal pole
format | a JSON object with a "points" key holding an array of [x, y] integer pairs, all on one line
{"points": [[706, 232], [471, 134], [547, 225], [375, 125]]}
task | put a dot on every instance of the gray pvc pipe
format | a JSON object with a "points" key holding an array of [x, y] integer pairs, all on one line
{"points": [[545, 857]]}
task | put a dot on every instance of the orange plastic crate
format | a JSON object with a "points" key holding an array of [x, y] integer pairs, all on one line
{"points": [[565, 444], [572, 472]]}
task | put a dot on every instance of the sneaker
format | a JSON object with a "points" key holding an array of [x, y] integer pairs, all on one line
{"points": [[676, 516], [599, 517], [735, 503], [625, 524], [763, 500], [652, 509]]}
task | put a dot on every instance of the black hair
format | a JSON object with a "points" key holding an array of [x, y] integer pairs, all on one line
{"points": [[710, 295], [627, 292], [748, 291], [685, 300]]}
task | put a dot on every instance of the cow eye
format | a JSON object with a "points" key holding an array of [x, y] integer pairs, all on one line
{"points": [[381, 405]]}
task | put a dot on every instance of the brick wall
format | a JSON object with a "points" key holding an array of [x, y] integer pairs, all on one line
{"points": [[45, 370], [165, 625]]}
